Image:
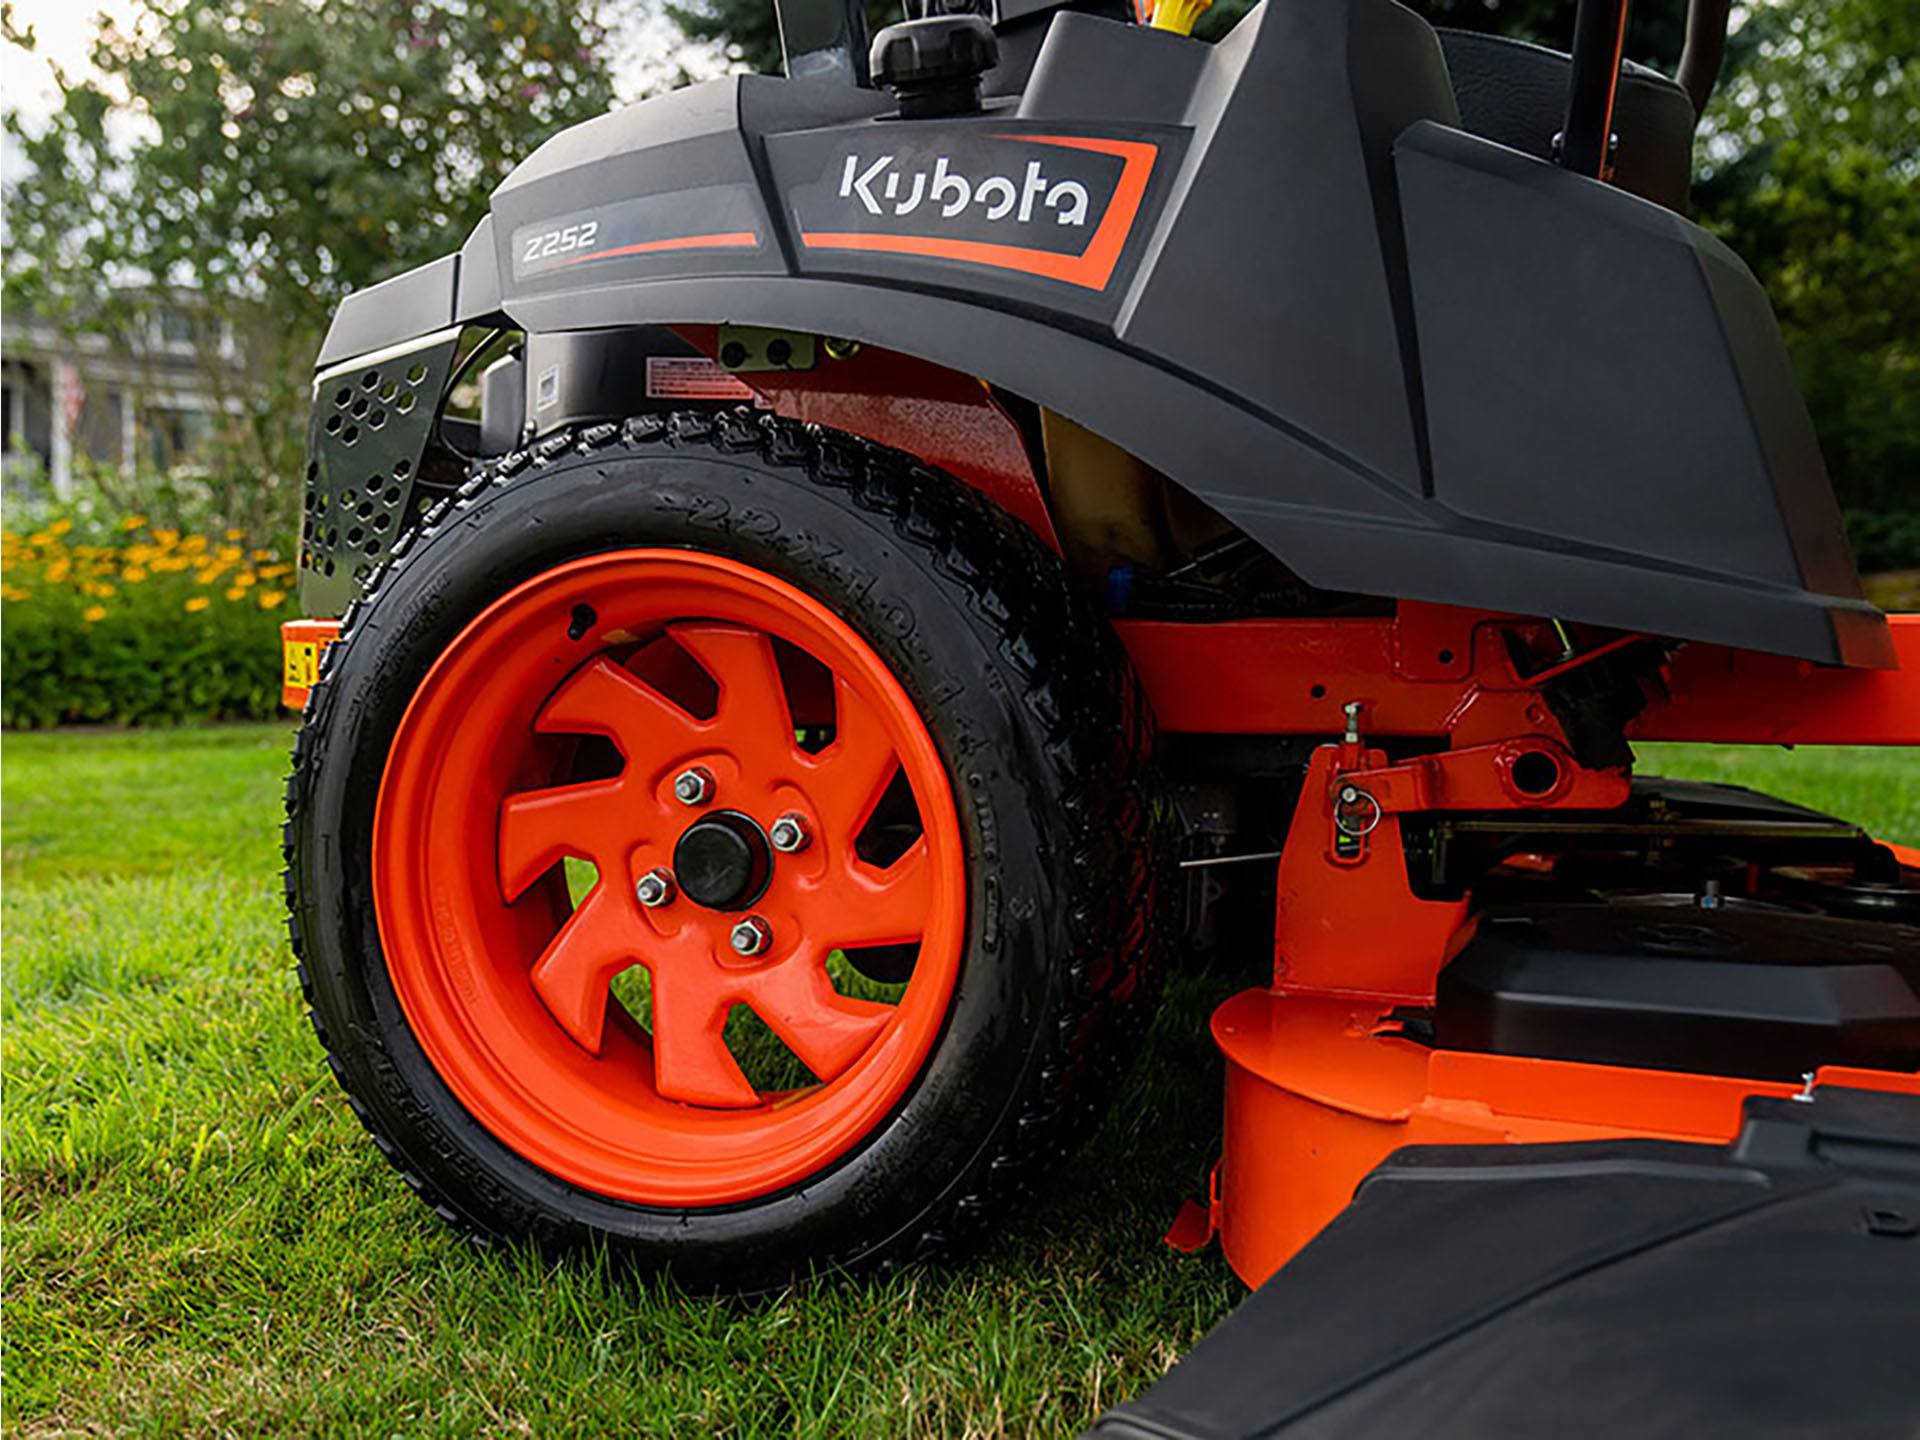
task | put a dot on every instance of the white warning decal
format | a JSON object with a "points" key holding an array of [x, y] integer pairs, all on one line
{"points": [[676, 377]]}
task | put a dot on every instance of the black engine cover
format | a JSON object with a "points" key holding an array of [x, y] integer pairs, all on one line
{"points": [[1755, 991]]}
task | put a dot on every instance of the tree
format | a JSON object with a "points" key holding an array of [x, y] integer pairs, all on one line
{"points": [[1809, 167], [273, 155]]}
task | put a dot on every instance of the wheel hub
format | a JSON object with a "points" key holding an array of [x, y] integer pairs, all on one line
{"points": [[723, 861]]}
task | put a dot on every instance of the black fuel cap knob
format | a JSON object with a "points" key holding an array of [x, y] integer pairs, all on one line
{"points": [[933, 65]]}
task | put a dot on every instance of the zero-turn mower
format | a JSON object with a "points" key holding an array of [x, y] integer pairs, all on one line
{"points": [[946, 530]]}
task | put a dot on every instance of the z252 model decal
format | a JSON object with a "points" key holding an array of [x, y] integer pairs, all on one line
{"points": [[542, 244]]}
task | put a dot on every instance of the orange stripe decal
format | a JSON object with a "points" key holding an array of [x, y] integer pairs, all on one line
{"points": [[730, 240], [1092, 268]]}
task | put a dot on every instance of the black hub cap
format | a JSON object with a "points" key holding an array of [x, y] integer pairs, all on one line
{"points": [[723, 861]]}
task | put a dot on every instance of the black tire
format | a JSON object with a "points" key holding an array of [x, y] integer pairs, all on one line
{"points": [[1045, 736]]}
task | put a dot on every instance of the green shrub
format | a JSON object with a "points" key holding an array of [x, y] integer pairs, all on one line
{"points": [[148, 627]]}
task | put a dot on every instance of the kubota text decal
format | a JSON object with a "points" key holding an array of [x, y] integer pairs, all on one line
{"points": [[1059, 206]]}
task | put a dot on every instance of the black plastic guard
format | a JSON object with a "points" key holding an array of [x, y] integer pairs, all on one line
{"points": [[1606, 1289]]}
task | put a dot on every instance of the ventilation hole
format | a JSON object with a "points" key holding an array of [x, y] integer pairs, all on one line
{"points": [[372, 547], [377, 419], [380, 522], [1535, 773], [333, 424], [354, 535], [333, 539], [583, 621], [873, 972], [763, 1056], [809, 688], [350, 434], [595, 757], [360, 407], [370, 379], [405, 403], [632, 987], [402, 469], [328, 568], [362, 570], [366, 509], [416, 373], [676, 675], [893, 827], [313, 471], [392, 497], [346, 499], [389, 390], [343, 395]]}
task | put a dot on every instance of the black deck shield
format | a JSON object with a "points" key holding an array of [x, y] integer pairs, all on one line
{"points": [[1771, 1288]]}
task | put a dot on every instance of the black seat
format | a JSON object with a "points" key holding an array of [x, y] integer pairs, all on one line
{"points": [[1516, 94]]}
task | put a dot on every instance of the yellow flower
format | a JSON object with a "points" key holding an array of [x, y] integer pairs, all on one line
{"points": [[244, 579], [93, 613], [271, 598], [257, 556], [60, 527], [14, 592], [238, 592], [133, 575], [227, 554], [197, 603], [96, 589], [134, 522], [236, 534], [59, 570], [169, 537]]}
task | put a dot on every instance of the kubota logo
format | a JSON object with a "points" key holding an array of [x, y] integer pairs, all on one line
{"points": [[884, 188], [1059, 207]]}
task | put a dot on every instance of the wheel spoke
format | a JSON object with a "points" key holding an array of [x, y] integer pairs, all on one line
{"points": [[864, 905], [574, 974], [691, 1061], [602, 698], [827, 1030], [540, 828], [753, 710]]}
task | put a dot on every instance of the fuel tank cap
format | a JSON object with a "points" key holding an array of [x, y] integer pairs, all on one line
{"points": [[933, 65]]}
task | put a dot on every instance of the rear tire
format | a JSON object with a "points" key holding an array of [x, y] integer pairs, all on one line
{"points": [[1038, 732]]}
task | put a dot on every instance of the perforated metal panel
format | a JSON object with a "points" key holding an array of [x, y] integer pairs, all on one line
{"points": [[371, 420]]}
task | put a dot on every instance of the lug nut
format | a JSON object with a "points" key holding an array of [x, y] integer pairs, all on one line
{"points": [[655, 888], [789, 834], [751, 936], [693, 786]]}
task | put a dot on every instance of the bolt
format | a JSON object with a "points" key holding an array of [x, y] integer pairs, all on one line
{"points": [[1349, 795], [789, 834], [693, 786], [1352, 711], [655, 888], [751, 936]]}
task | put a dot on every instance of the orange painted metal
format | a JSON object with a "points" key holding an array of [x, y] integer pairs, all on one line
{"points": [[1291, 677], [1320, 1091], [302, 642], [1737, 697], [506, 983]]}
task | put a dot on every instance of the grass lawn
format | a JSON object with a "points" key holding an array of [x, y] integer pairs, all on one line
{"points": [[200, 1239]]}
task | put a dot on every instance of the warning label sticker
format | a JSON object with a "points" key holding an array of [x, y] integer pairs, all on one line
{"points": [[675, 377]]}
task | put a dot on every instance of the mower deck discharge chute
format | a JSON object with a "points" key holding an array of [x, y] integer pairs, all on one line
{"points": [[843, 577]]}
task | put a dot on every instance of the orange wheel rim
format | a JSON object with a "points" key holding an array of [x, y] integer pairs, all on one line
{"points": [[669, 662]]}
